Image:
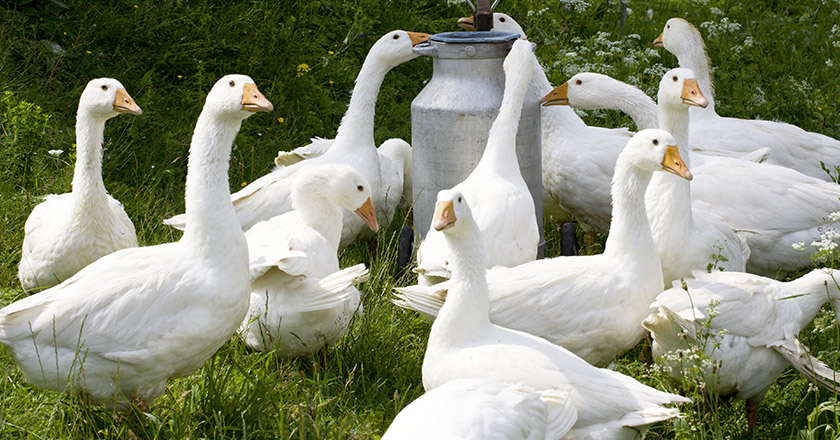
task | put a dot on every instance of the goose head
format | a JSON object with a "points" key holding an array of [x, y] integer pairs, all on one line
{"points": [[655, 150], [395, 47], [501, 23], [340, 185], [679, 87], [452, 213], [679, 37], [106, 98], [236, 97], [586, 90]]}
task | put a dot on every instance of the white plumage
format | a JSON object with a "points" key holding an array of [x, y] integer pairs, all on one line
{"points": [[789, 146], [300, 300], [591, 305], [464, 344], [123, 326], [354, 145], [482, 409], [762, 318], [67, 232], [502, 204]]}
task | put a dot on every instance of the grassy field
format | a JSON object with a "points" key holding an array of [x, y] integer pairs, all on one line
{"points": [[774, 60]]}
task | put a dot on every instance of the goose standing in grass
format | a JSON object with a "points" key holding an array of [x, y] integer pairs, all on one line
{"points": [[771, 207], [482, 409], [463, 344], [789, 145], [123, 326], [502, 204], [354, 145], [592, 305], [66, 232], [300, 300], [577, 160], [761, 318]]}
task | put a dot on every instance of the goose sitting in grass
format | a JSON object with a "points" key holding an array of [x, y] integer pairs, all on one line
{"points": [[592, 305], [66, 232], [120, 328], [463, 344], [789, 145], [771, 207], [354, 145], [482, 409], [577, 160], [300, 300], [502, 204], [747, 325]]}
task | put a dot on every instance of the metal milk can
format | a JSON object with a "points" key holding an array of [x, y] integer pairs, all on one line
{"points": [[452, 115]]}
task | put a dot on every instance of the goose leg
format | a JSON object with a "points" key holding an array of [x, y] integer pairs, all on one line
{"points": [[752, 414]]}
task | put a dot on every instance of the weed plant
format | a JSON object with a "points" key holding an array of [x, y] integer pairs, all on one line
{"points": [[774, 60]]}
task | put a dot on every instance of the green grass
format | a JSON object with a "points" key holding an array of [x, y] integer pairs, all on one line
{"points": [[780, 62]]}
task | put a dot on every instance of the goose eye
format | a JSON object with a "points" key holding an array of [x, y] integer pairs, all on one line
{"points": [[360, 188], [104, 87], [667, 26], [396, 37], [502, 19], [459, 199], [675, 78], [655, 142], [232, 83], [578, 82]]}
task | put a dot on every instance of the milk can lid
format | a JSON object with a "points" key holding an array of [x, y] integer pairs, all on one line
{"points": [[474, 37]]}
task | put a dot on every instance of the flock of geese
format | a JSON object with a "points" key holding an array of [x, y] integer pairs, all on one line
{"points": [[517, 344]]}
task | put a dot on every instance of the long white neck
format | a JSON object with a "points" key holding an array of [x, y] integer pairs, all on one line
{"points": [[560, 120], [466, 308], [692, 55], [629, 227], [812, 292], [209, 212], [500, 153], [87, 174], [668, 197], [633, 102], [356, 126], [318, 213]]}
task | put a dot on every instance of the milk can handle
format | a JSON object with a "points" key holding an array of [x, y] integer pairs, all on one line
{"points": [[425, 49]]}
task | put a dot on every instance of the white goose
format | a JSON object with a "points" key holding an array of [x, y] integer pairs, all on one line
{"points": [[66, 232], [463, 344], [592, 305], [790, 146], [772, 207], [502, 204], [354, 145], [123, 326], [762, 318], [686, 239], [300, 300], [577, 160], [482, 409]]}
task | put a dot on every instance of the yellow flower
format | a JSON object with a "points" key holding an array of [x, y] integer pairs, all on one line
{"points": [[331, 81], [88, 52], [819, 108], [179, 76], [135, 6], [302, 69], [281, 120], [243, 184], [330, 52]]}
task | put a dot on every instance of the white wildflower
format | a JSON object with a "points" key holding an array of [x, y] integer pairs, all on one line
{"points": [[834, 216], [55, 152], [649, 13], [716, 11], [798, 246]]}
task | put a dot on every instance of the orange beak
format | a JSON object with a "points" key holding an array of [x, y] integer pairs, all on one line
{"points": [[368, 215], [692, 95], [558, 96], [444, 216], [467, 23], [658, 41], [254, 101], [674, 164], [417, 38], [124, 104]]}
